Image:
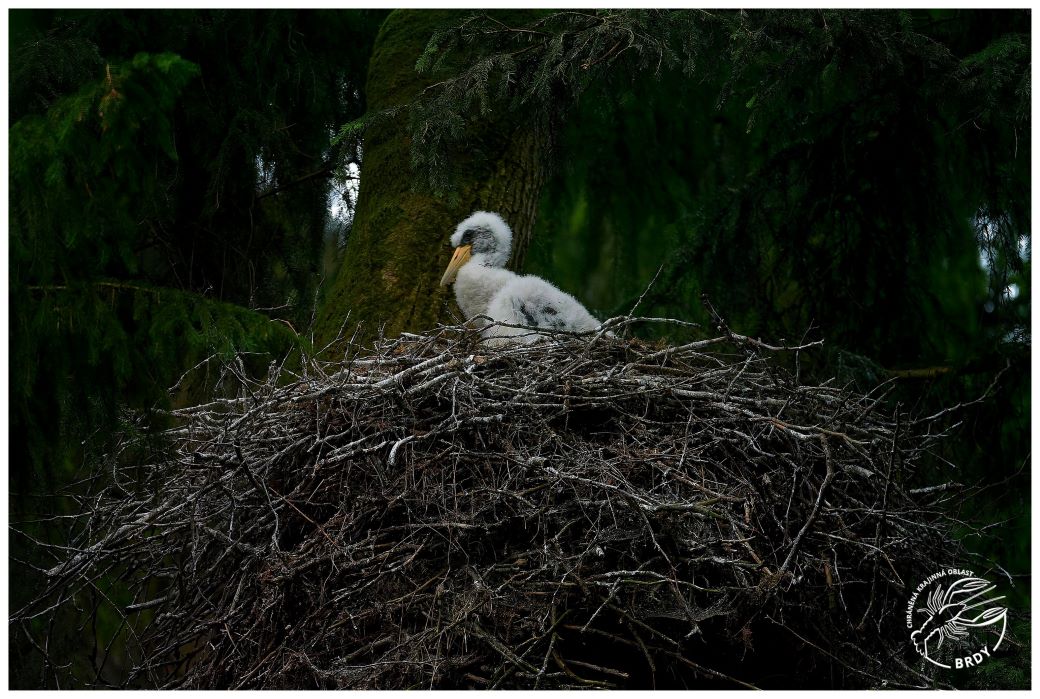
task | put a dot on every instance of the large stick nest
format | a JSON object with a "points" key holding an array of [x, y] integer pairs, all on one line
{"points": [[579, 512]]}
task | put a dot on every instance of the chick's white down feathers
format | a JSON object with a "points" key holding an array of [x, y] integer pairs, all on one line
{"points": [[483, 287]]}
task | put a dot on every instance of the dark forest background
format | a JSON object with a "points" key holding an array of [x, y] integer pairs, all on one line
{"points": [[193, 183]]}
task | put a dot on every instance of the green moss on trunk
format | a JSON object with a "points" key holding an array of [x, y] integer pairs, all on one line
{"points": [[399, 246]]}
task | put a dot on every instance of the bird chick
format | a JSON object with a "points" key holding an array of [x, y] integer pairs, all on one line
{"points": [[483, 244]]}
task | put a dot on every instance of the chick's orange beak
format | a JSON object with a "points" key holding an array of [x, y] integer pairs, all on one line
{"points": [[461, 257]]}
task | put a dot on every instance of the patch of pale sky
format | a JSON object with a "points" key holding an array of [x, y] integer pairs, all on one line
{"points": [[340, 199]]}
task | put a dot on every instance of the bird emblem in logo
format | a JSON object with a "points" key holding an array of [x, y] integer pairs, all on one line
{"points": [[952, 612]]}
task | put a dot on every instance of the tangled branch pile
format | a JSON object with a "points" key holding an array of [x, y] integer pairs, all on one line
{"points": [[573, 513]]}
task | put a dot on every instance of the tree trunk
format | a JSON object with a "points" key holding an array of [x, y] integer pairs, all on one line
{"points": [[399, 244]]}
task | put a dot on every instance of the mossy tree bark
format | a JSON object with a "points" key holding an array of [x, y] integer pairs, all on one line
{"points": [[399, 245]]}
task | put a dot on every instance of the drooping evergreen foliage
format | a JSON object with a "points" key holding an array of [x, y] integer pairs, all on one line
{"points": [[793, 148], [163, 163]]}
